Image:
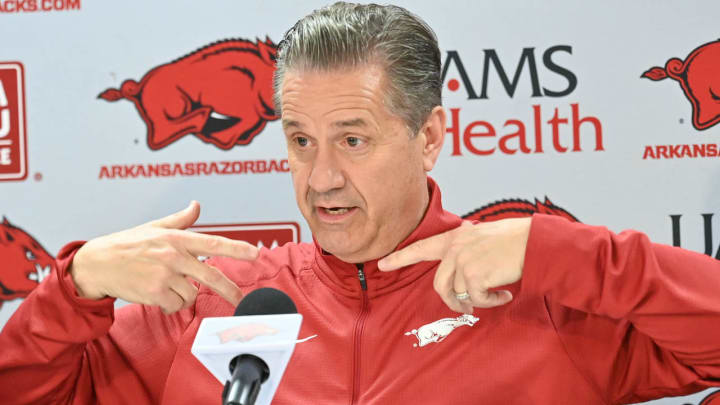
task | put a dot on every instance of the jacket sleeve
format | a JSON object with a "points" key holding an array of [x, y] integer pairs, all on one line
{"points": [[639, 320], [60, 348]]}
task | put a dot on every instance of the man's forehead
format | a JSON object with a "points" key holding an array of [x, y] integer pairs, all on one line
{"points": [[340, 98], [342, 123], [364, 77]]}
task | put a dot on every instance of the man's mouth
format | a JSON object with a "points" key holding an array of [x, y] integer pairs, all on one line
{"points": [[336, 210], [334, 213]]}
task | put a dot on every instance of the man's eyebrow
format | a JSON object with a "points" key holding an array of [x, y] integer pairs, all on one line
{"points": [[356, 122], [291, 124]]}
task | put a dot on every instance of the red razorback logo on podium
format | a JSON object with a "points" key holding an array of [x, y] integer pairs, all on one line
{"points": [[699, 79], [517, 208], [221, 93], [24, 262]]}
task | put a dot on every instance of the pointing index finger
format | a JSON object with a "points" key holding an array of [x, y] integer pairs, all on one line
{"points": [[432, 248], [200, 244], [212, 278]]}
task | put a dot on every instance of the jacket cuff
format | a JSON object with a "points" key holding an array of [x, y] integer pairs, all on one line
{"points": [[547, 248], [67, 285]]}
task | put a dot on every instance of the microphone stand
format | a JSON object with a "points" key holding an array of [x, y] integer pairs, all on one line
{"points": [[248, 373]]}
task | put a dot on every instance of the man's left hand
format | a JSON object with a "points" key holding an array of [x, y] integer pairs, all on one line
{"points": [[474, 259]]}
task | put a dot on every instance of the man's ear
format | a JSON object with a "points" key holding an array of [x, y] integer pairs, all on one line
{"points": [[433, 132]]}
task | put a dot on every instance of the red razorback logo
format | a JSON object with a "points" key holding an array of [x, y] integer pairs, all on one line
{"points": [[712, 399], [24, 263], [222, 93], [699, 79], [245, 332], [517, 208]]}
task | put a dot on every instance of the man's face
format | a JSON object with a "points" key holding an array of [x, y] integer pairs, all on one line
{"points": [[358, 175]]}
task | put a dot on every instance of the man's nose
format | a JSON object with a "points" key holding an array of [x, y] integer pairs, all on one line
{"points": [[326, 174]]}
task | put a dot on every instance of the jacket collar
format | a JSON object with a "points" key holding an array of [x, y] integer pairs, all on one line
{"points": [[343, 277]]}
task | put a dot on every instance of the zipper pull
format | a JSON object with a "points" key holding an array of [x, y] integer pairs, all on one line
{"points": [[361, 276]]}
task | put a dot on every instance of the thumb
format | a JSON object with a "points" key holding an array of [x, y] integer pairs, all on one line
{"points": [[180, 220]]}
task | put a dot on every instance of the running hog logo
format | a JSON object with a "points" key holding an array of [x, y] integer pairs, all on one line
{"points": [[246, 332], [517, 208], [221, 93], [24, 263], [699, 79], [436, 332]]}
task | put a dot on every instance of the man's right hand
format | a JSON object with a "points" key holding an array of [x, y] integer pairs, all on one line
{"points": [[151, 263]]}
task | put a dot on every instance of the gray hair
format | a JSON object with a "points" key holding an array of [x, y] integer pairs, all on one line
{"points": [[347, 35]]}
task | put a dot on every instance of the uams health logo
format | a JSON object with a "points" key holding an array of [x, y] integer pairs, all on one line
{"points": [[698, 77], [221, 93], [545, 127], [24, 263], [13, 153]]}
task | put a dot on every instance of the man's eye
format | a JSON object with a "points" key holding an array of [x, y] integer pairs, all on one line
{"points": [[301, 141], [353, 141]]}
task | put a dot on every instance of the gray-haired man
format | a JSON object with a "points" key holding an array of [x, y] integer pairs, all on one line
{"points": [[518, 311]]}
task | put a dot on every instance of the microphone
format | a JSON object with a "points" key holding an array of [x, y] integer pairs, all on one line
{"points": [[248, 371], [251, 349], [266, 301]]}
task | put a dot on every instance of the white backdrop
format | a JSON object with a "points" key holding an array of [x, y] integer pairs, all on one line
{"points": [[575, 55]]}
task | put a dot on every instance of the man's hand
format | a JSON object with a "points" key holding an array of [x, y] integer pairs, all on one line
{"points": [[474, 259], [151, 263]]}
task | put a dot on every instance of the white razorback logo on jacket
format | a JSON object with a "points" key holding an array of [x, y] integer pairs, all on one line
{"points": [[437, 331]]}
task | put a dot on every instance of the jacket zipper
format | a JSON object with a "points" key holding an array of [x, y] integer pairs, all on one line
{"points": [[359, 326]]}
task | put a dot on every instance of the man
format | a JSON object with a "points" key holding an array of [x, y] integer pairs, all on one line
{"points": [[519, 311]]}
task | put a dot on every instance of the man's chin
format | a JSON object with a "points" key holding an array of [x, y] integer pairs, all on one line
{"points": [[337, 245], [340, 245], [348, 251]]}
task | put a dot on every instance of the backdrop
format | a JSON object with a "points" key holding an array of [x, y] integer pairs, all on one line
{"points": [[602, 111]]}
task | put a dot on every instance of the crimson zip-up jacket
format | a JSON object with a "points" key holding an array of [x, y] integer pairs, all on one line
{"points": [[597, 318]]}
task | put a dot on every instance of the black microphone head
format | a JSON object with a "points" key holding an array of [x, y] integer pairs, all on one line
{"points": [[266, 301]]}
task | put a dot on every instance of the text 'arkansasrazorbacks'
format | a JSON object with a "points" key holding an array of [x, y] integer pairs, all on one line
{"points": [[225, 167]]}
